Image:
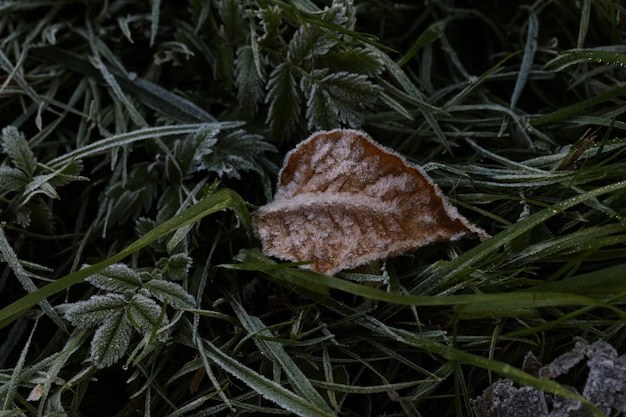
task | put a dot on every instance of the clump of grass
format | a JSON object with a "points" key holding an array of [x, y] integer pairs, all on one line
{"points": [[125, 125]]}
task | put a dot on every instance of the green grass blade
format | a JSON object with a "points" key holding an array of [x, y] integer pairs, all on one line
{"points": [[275, 351], [451, 272], [431, 34], [577, 56], [115, 141], [265, 387]]}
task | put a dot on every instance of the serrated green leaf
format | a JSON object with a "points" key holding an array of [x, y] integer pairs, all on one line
{"points": [[233, 28], [355, 60], [284, 101], [307, 42], [12, 179], [94, 311], [249, 81], [111, 340], [238, 151], [15, 145], [171, 292], [145, 313], [338, 97], [118, 278], [321, 111], [67, 174], [178, 266], [40, 185]]}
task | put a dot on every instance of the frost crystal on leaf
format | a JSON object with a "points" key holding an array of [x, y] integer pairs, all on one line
{"points": [[343, 200]]}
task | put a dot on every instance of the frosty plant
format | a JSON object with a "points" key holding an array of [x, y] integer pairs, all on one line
{"points": [[26, 181], [131, 301]]}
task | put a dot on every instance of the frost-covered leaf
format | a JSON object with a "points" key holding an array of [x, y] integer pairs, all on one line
{"points": [[70, 172], [145, 313], [117, 277], [337, 97], [22, 216], [178, 266], [284, 101], [12, 179], [95, 310], [343, 200], [307, 42], [356, 60], [233, 27], [129, 199], [111, 340], [249, 80], [40, 185], [15, 145], [341, 13], [173, 293], [183, 159], [238, 151], [39, 214], [270, 20]]}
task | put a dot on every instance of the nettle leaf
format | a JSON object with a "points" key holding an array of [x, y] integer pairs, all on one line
{"points": [[145, 313], [130, 199], [40, 185], [307, 42], [238, 151], [173, 293], [284, 100], [337, 97], [271, 19], [111, 340], [233, 25], [341, 13], [94, 311], [249, 80], [12, 179], [355, 60], [70, 172], [117, 277], [15, 145], [178, 266], [183, 160]]}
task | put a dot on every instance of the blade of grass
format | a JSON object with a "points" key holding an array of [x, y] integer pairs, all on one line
{"points": [[115, 141], [265, 387], [431, 34], [527, 59], [152, 95], [275, 351], [577, 56], [318, 283], [450, 272]]}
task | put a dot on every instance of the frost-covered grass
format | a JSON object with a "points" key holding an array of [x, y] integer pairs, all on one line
{"points": [[137, 137]]}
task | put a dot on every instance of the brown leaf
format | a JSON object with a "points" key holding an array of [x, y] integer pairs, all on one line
{"points": [[343, 200]]}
